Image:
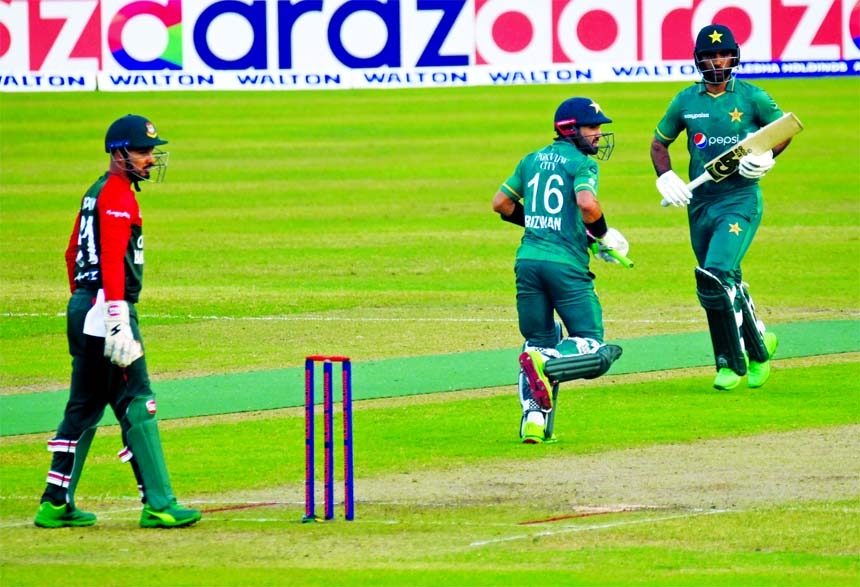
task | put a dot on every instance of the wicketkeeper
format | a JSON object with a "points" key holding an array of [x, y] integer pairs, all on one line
{"points": [[105, 268], [553, 195]]}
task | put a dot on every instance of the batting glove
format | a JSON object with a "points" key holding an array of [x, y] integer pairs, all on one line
{"points": [[611, 241], [120, 345], [673, 189], [756, 166]]}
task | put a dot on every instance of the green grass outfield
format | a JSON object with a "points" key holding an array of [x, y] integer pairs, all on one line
{"points": [[359, 223]]}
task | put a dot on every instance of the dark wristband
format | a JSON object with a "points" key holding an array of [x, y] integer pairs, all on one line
{"points": [[518, 216], [597, 228]]}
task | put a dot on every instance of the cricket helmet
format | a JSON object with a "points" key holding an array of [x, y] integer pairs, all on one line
{"points": [[577, 112], [137, 133], [132, 132], [716, 38]]}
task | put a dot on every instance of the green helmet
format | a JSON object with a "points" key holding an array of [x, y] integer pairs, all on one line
{"points": [[132, 132], [712, 39]]}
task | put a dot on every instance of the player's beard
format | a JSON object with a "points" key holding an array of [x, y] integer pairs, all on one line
{"points": [[139, 174]]}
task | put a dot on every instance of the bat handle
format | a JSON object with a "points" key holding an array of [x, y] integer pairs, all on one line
{"points": [[699, 181], [625, 261]]}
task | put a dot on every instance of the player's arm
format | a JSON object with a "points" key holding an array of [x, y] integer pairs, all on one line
{"points": [[756, 166], [670, 185], [780, 147], [72, 253], [610, 245], [508, 206], [509, 210], [115, 216]]}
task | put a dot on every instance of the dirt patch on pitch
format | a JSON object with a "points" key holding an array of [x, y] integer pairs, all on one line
{"points": [[818, 464]]}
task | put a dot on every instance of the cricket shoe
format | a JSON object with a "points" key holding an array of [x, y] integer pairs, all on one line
{"points": [[726, 379], [533, 433], [760, 372], [173, 516], [532, 363], [62, 516]]}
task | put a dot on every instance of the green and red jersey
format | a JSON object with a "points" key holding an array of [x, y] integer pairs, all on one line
{"points": [[106, 245]]}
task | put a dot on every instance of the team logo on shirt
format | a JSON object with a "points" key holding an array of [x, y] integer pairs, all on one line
{"points": [[700, 140]]}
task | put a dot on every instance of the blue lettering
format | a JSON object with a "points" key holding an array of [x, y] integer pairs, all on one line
{"points": [[431, 57], [389, 55], [288, 14], [255, 14]]}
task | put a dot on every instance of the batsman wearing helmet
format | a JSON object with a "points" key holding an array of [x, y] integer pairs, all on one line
{"points": [[716, 113], [104, 260], [553, 195]]}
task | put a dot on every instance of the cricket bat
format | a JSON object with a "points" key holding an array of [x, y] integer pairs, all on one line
{"points": [[596, 242], [767, 137]]}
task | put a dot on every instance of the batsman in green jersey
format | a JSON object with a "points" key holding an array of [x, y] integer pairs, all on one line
{"points": [[553, 195], [716, 113]]}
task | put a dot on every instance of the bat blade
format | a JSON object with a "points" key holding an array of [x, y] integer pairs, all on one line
{"points": [[765, 138]]}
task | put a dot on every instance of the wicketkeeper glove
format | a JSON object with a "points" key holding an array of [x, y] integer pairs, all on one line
{"points": [[756, 166], [120, 345], [673, 189], [611, 241]]}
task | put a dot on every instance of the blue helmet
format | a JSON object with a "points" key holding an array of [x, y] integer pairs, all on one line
{"points": [[574, 113]]}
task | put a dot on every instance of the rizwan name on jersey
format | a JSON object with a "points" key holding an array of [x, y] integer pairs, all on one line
{"points": [[543, 222]]}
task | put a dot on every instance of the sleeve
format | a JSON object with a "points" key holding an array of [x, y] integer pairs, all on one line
{"points": [[671, 125], [115, 213], [72, 253], [513, 186], [586, 177], [766, 109]]}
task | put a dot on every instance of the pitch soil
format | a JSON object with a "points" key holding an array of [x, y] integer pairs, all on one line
{"points": [[819, 465]]}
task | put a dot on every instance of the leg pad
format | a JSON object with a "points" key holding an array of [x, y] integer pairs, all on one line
{"points": [[753, 337], [719, 305], [589, 366], [145, 444]]}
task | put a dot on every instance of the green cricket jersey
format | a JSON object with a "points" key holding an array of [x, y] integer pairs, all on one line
{"points": [[715, 123], [546, 182]]}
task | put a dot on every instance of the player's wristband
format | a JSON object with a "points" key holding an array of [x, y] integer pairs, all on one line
{"points": [[598, 228], [518, 216]]}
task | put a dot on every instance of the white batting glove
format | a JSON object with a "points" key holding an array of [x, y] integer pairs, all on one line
{"points": [[756, 166], [673, 189], [120, 345], [611, 241]]}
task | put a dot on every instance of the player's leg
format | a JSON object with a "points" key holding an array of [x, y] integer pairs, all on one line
{"points": [[720, 304], [760, 343], [732, 226], [583, 354], [136, 414], [537, 326], [84, 410], [536, 426]]}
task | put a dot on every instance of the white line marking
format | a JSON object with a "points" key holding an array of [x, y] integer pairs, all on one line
{"points": [[329, 318], [589, 527]]}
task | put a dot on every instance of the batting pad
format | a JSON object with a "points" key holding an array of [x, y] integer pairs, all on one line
{"points": [[723, 325], [588, 366], [753, 340]]}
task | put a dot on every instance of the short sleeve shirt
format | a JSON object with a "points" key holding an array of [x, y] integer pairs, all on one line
{"points": [[545, 182], [715, 123]]}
